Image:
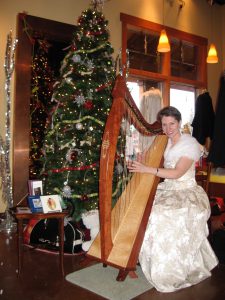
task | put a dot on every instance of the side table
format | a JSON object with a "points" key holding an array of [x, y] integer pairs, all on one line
{"points": [[21, 216]]}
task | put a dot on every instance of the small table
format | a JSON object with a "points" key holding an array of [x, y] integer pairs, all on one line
{"points": [[21, 216]]}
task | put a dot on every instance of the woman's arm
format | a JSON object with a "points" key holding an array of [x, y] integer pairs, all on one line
{"points": [[183, 164]]}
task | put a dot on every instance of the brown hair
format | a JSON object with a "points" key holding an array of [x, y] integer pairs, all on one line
{"points": [[169, 111]]}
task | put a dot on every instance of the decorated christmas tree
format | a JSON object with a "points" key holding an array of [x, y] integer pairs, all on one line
{"points": [[83, 96], [42, 81]]}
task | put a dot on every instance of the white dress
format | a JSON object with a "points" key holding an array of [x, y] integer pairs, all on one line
{"points": [[175, 252]]}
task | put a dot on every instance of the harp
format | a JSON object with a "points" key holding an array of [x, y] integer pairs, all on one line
{"points": [[122, 227]]}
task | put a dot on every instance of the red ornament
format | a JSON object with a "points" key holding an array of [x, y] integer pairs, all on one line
{"points": [[88, 104], [73, 155], [84, 197], [45, 174]]}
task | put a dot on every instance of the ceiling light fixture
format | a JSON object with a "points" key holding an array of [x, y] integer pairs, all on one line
{"points": [[212, 57], [163, 45]]}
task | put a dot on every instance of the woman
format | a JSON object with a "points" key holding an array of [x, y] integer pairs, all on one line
{"points": [[175, 252]]}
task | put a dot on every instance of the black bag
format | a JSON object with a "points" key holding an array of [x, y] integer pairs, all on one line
{"points": [[218, 244], [44, 233]]}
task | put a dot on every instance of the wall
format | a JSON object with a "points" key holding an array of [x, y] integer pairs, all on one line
{"points": [[195, 17]]}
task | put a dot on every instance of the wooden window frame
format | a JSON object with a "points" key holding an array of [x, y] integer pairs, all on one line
{"points": [[165, 75]]}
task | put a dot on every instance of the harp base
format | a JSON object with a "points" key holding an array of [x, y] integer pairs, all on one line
{"points": [[122, 273]]}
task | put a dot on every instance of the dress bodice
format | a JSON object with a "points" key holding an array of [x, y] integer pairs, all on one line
{"points": [[187, 146]]}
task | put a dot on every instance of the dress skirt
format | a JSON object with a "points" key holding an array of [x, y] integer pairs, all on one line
{"points": [[176, 252]]}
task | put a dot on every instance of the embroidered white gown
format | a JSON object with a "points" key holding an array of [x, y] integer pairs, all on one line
{"points": [[175, 252]]}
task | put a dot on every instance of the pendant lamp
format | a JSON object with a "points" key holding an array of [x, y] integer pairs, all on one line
{"points": [[212, 57], [163, 45]]}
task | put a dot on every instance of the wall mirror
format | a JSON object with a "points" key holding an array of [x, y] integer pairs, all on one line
{"points": [[28, 29]]}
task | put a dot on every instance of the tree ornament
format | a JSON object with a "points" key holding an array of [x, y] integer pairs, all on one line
{"points": [[69, 80], [88, 104], [84, 197], [90, 65], [67, 191], [79, 126], [98, 3], [76, 58], [79, 100], [71, 155]]}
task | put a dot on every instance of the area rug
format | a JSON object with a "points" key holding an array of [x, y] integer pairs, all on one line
{"points": [[55, 252], [102, 281]]}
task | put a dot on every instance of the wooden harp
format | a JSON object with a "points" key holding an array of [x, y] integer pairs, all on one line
{"points": [[121, 234]]}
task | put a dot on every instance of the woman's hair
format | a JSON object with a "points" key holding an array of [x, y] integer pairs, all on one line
{"points": [[169, 111]]}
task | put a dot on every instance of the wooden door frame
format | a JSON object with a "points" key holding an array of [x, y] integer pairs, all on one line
{"points": [[48, 29]]}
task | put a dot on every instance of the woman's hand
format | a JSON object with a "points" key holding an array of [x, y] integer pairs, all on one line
{"points": [[136, 166]]}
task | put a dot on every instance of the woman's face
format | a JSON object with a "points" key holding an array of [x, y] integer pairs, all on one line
{"points": [[170, 126]]}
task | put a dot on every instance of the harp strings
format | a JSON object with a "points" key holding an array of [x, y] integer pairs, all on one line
{"points": [[130, 150]]}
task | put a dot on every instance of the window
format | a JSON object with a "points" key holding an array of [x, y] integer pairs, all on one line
{"points": [[184, 101], [178, 73], [184, 59], [135, 91]]}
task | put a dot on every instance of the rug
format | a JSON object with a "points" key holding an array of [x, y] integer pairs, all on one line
{"points": [[55, 252], [102, 281]]}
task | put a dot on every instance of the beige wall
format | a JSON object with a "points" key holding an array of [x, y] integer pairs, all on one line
{"points": [[195, 17]]}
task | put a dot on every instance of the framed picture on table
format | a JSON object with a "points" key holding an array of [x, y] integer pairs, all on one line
{"points": [[51, 203], [35, 204], [35, 187]]}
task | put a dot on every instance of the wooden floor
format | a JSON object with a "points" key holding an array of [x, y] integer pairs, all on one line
{"points": [[41, 278]]}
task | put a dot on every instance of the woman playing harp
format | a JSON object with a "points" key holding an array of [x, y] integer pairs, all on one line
{"points": [[175, 252], [122, 225]]}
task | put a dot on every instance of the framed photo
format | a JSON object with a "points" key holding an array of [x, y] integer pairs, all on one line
{"points": [[35, 187], [51, 203], [35, 204]]}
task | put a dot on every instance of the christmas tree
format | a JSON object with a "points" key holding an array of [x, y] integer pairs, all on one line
{"points": [[41, 92], [83, 96]]}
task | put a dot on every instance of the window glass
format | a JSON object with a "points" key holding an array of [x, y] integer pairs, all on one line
{"points": [[135, 92], [184, 101], [183, 59], [142, 46]]}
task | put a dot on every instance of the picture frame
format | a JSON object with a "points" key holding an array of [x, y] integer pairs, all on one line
{"points": [[35, 187], [35, 204], [51, 203]]}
